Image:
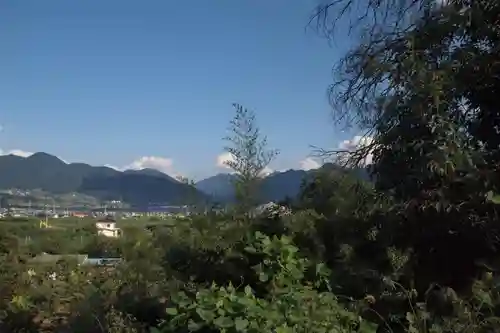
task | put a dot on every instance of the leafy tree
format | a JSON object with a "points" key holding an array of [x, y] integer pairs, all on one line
{"points": [[249, 156], [422, 81], [336, 193]]}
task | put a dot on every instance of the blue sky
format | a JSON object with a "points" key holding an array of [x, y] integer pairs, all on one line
{"points": [[111, 82]]}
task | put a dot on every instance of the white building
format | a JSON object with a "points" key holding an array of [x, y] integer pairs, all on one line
{"points": [[107, 229]]}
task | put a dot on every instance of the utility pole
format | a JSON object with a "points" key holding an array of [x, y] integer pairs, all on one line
{"points": [[45, 223]]}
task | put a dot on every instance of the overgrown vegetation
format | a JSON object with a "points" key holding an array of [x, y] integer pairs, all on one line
{"points": [[414, 251]]}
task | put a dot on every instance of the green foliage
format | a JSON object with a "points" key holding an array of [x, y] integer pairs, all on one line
{"points": [[290, 305], [337, 193], [415, 253]]}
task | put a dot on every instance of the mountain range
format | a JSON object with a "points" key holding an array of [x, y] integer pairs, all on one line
{"points": [[49, 173], [275, 187], [138, 187]]}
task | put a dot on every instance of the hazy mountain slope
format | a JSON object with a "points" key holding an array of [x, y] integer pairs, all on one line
{"points": [[220, 187], [279, 185], [275, 187]]}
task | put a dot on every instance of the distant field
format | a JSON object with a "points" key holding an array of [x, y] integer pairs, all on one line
{"points": [[73, 222]]}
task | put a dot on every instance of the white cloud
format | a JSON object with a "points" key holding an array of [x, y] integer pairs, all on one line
{"points": [[17, 152], [24, 153], [113, 167], [21, 153], [161, 164], [225, 157], [309, 164], [152, 162], [357, 142], [266, 172]]}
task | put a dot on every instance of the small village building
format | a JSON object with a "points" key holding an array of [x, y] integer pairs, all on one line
{"points": [[107, 227]]}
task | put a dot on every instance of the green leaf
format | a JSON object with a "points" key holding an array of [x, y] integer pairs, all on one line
{"points": [[484, 297], [283, 329], [493, 197], [172, 311], [266, 241], [496, 199], [193, 326], [245, 301], [241, 324], [223, 322], [180, 298], [248, 290], [205, 315], [219, 303], [250, 249]]}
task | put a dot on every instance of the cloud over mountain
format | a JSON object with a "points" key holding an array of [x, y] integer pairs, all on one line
{"points": [[225, 157], [159, 163], [357, 142], [306, 164], [162, 164], [16, 152], [309, 164]]}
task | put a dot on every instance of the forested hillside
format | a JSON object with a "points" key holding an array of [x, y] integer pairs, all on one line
{"points": [[417, 250], [46, 172]]}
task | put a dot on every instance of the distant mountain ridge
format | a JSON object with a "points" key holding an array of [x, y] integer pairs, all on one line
{"points": [[219, 187], [49, 173], [275, 187]]}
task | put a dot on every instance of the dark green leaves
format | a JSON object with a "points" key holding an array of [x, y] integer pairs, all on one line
{"points": [[171, 311]]}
